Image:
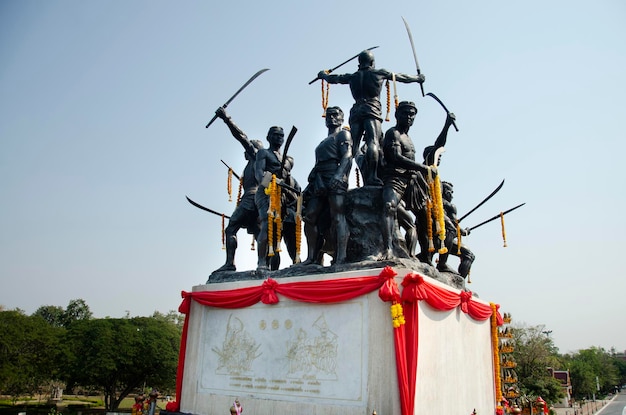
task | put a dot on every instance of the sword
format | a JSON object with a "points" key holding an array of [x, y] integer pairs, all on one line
{"points": [[231, 169], [496, 217], [444, 107], [343, 63], [484, 200], [417, 65], [198, 205], [292, 134], [237, 93]]}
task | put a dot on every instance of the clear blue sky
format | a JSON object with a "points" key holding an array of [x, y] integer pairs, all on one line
{"points": [[103, 106]]}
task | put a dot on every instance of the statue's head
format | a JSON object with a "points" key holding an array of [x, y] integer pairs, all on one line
{"points": [[406, 105], [276, 136], [366, 60], [447, 190], [405, 113], [334, 116]]}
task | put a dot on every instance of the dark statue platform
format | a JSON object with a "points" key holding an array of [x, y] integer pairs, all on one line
{"points": [[364, 217]]}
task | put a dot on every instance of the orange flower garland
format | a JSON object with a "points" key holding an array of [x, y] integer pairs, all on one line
{"points": [[325, 94], [239, 191], [496, 352], [229, 184], [388, 100], [298, 228]]}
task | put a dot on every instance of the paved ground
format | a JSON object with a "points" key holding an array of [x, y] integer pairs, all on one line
{"points": [[589, 408]]}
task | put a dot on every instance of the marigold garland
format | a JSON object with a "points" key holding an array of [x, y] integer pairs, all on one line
{"points": [[239, 191], [440, 216], [395, 92], [298, 228], [503, 230], [388, 100], [496, 352], [429, 224], [325, 94], [458, 238], [397, 315], [434, 188], [273, 217], [229, 184]]}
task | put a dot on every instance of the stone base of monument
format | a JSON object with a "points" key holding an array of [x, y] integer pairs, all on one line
{"points": [[266, 344]]}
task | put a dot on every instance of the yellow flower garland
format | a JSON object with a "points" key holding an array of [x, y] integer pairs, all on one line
{"points": [[503, 231], [440, 216], [397, 315], [434, 188], [458, 238], [273, 217], [429, 224], [496, 352]]}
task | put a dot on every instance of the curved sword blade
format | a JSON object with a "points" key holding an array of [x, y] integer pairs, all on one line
{"points": [[497, 216], [430, 94], [237, 93], [292, 134], [497, 189], [417, 65], [199, 206]]}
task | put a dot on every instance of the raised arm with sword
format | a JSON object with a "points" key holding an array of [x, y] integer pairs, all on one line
{"points": [[237, 93]]}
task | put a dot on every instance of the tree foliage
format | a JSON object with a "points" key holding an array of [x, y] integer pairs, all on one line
{"points": [[118, 356], [534, 353], [594, 371], [30, 351], [56, 316]]}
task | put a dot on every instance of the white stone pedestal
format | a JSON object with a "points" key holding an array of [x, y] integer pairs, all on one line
{"points": [[302, 358]]}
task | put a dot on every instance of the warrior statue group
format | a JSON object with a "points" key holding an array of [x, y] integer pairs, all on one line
{"points": [[414, 199]]}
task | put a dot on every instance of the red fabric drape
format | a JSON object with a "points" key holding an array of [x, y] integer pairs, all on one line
{"points": [[415, 288]]}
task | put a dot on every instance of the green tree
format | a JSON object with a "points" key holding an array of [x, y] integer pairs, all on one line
{"points": [[534, 353], [593, 371], [56, 316], [119, 356], [30, 351], [76, 310], [53, 314]]}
